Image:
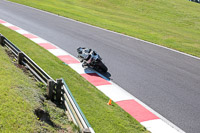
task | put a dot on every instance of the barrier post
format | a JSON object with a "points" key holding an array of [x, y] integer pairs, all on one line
{"points": [[1, 39], [20, 58], [50, 88], [58, 90]]}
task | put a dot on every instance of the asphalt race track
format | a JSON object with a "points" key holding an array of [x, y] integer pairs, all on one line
{"points": [[165, 80]]}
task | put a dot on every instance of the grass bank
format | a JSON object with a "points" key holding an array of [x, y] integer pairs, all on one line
{"points": [[103, 118], [20, 99], [171, 23]]}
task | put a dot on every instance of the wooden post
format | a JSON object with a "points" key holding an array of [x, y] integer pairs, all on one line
{"points": [[58, 90], [20, 58], [50, 88], [1, 39]]}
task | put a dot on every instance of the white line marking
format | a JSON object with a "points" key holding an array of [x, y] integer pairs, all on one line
{"points": [[58, 52], [158, 126], [39, 40], [79, 69], [7, 24], [115, 92], [22, 31]]}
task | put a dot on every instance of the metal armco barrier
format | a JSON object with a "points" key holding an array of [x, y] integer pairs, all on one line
{"points": [[56, 90], [77, 115], [23, 59]]}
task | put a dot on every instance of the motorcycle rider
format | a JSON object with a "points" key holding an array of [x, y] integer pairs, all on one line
{"points": [[85, 55], [89, 58]]}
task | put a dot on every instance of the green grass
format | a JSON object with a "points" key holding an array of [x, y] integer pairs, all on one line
{"points": [[19, 97], [103, 118], [171, 23], [15, 112]]}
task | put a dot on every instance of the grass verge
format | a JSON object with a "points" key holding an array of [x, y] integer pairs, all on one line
{"points": [[93, 103], [21, 97], [171, 23]]}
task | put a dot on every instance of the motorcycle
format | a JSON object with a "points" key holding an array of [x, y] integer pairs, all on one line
{"points": [[89, 58]]}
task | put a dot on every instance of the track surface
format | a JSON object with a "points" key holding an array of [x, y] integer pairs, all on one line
{"points": [[167, 81]]}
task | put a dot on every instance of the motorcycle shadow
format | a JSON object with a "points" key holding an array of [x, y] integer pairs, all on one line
{"points": [[106, 75]]}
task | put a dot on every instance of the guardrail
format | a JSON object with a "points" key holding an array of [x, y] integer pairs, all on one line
{"points": [[74, 109], [56, 90]]}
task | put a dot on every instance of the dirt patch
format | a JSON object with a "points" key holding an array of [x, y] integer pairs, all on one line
{"points": [[10, 54], [45, 117], [22, 67]]}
